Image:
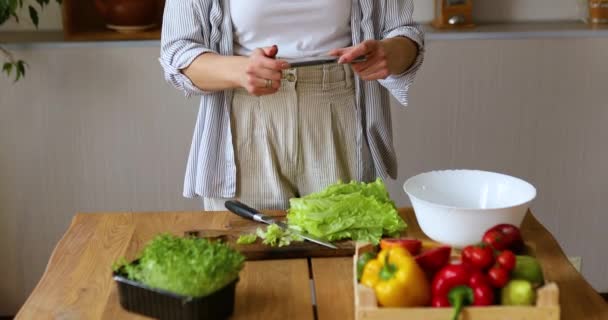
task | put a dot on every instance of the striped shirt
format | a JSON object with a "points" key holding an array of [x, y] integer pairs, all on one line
{"points": [[194, 27]]}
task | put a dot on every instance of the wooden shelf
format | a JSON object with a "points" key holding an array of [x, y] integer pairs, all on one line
{"points": [[496, 31], [111, 35], [519, 30]]}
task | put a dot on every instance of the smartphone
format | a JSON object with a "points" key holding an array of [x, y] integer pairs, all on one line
{"points": [[313, 61]]}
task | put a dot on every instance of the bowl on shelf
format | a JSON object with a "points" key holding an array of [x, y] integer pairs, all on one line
{"points": [[128, 16], [456, 207]]}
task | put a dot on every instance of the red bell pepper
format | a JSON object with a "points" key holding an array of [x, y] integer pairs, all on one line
{"points": [[458, 286], [411, 245], [433, 260]]}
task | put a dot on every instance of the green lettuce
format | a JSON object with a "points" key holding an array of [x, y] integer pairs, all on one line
{"points": [[356, 210], [247, 239], [186, 266], [274, 236]]}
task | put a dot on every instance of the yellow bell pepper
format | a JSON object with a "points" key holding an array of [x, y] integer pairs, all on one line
{"points": [[397, 280]]}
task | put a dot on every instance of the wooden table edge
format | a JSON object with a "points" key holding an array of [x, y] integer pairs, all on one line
{"points": [[533, 225]]}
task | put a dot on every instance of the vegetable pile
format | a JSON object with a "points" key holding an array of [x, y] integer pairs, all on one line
{"points": [[356, 210], [488, 266], [186, 266], [410, 272]]}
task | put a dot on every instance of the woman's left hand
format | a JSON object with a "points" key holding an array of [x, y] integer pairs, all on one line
{"points": [[384, 57]]}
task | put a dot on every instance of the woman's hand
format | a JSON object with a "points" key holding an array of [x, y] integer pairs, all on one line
{"points": [[384, 57], [262, 73]]}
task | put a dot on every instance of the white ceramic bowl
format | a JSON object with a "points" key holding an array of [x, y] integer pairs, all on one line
{"points": [[456, 207]]}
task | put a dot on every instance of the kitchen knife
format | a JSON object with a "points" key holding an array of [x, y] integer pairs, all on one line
{"points": [[247, 212], [313, 61]]}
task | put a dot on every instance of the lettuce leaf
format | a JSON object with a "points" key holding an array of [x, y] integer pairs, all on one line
{"points": [[186, 266], [247, 239], [355, 210], [274, 236]]}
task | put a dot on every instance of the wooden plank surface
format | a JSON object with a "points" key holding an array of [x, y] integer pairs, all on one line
{"points": [[333, 279], [266, 290], [274, 290], [77, 282]]}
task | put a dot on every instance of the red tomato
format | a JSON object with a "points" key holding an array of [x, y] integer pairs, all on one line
{"points": [[479, 257], [503, 237], [506, 260], [493, 238], [498, 277], [411, 245]]}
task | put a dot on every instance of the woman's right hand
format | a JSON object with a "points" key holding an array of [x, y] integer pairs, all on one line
{"points": [[263, 72]]}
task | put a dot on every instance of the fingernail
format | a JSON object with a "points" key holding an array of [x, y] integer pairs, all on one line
{"points": [[285, 65], [341, 60]]}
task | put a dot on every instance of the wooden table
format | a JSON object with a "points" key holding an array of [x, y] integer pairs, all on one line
{"points": [[77, 282]]}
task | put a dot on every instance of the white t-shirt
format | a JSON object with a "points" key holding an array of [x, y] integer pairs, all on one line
{"points": [[300, 28]]}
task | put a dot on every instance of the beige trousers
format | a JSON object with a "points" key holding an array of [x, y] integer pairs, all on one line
{"points": [[299, 140]]}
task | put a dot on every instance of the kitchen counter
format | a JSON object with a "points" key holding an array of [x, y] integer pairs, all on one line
{"points": [[77, 283]]}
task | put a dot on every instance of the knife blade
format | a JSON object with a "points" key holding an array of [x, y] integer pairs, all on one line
{"points": [[244, 211]]}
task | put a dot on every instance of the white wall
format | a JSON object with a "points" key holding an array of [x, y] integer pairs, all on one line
{"points": [[88, 129], [485, 10], [96, 129]]}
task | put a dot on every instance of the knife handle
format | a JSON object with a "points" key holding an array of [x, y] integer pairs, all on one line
{"points": [[244, 211]]}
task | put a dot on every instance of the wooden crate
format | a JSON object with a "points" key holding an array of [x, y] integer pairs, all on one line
{"points": [[81, 22], [366, 305]]}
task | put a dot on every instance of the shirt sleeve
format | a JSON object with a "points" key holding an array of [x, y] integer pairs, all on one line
{"points": [[399, 22], [185, 35]]}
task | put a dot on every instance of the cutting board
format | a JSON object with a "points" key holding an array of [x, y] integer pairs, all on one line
{"points": [[260, 251]]}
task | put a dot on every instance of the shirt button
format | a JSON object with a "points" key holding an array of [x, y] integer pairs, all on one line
{"points": [[290, 77]]}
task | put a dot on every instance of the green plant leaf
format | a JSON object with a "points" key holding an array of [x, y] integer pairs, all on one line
{"points": [[21, 66], [8, 68], [8, 8], [6, 11], [20, 70], [34, 16]]}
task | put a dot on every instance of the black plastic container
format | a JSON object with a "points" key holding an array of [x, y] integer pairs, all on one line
{"points": [[160, 304]]}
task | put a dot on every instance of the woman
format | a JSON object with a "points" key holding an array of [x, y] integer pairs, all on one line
{"points": [[266, 132]]}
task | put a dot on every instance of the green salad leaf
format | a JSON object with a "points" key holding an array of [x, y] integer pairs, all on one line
{"points": [[186, 266], [247, 239], [356, 210], [275, 236]]}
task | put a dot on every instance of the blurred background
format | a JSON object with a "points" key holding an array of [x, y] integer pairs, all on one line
{"points": [[93, 126]]}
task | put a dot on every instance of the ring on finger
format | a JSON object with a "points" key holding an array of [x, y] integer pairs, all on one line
{"points": [[268, 83]]}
